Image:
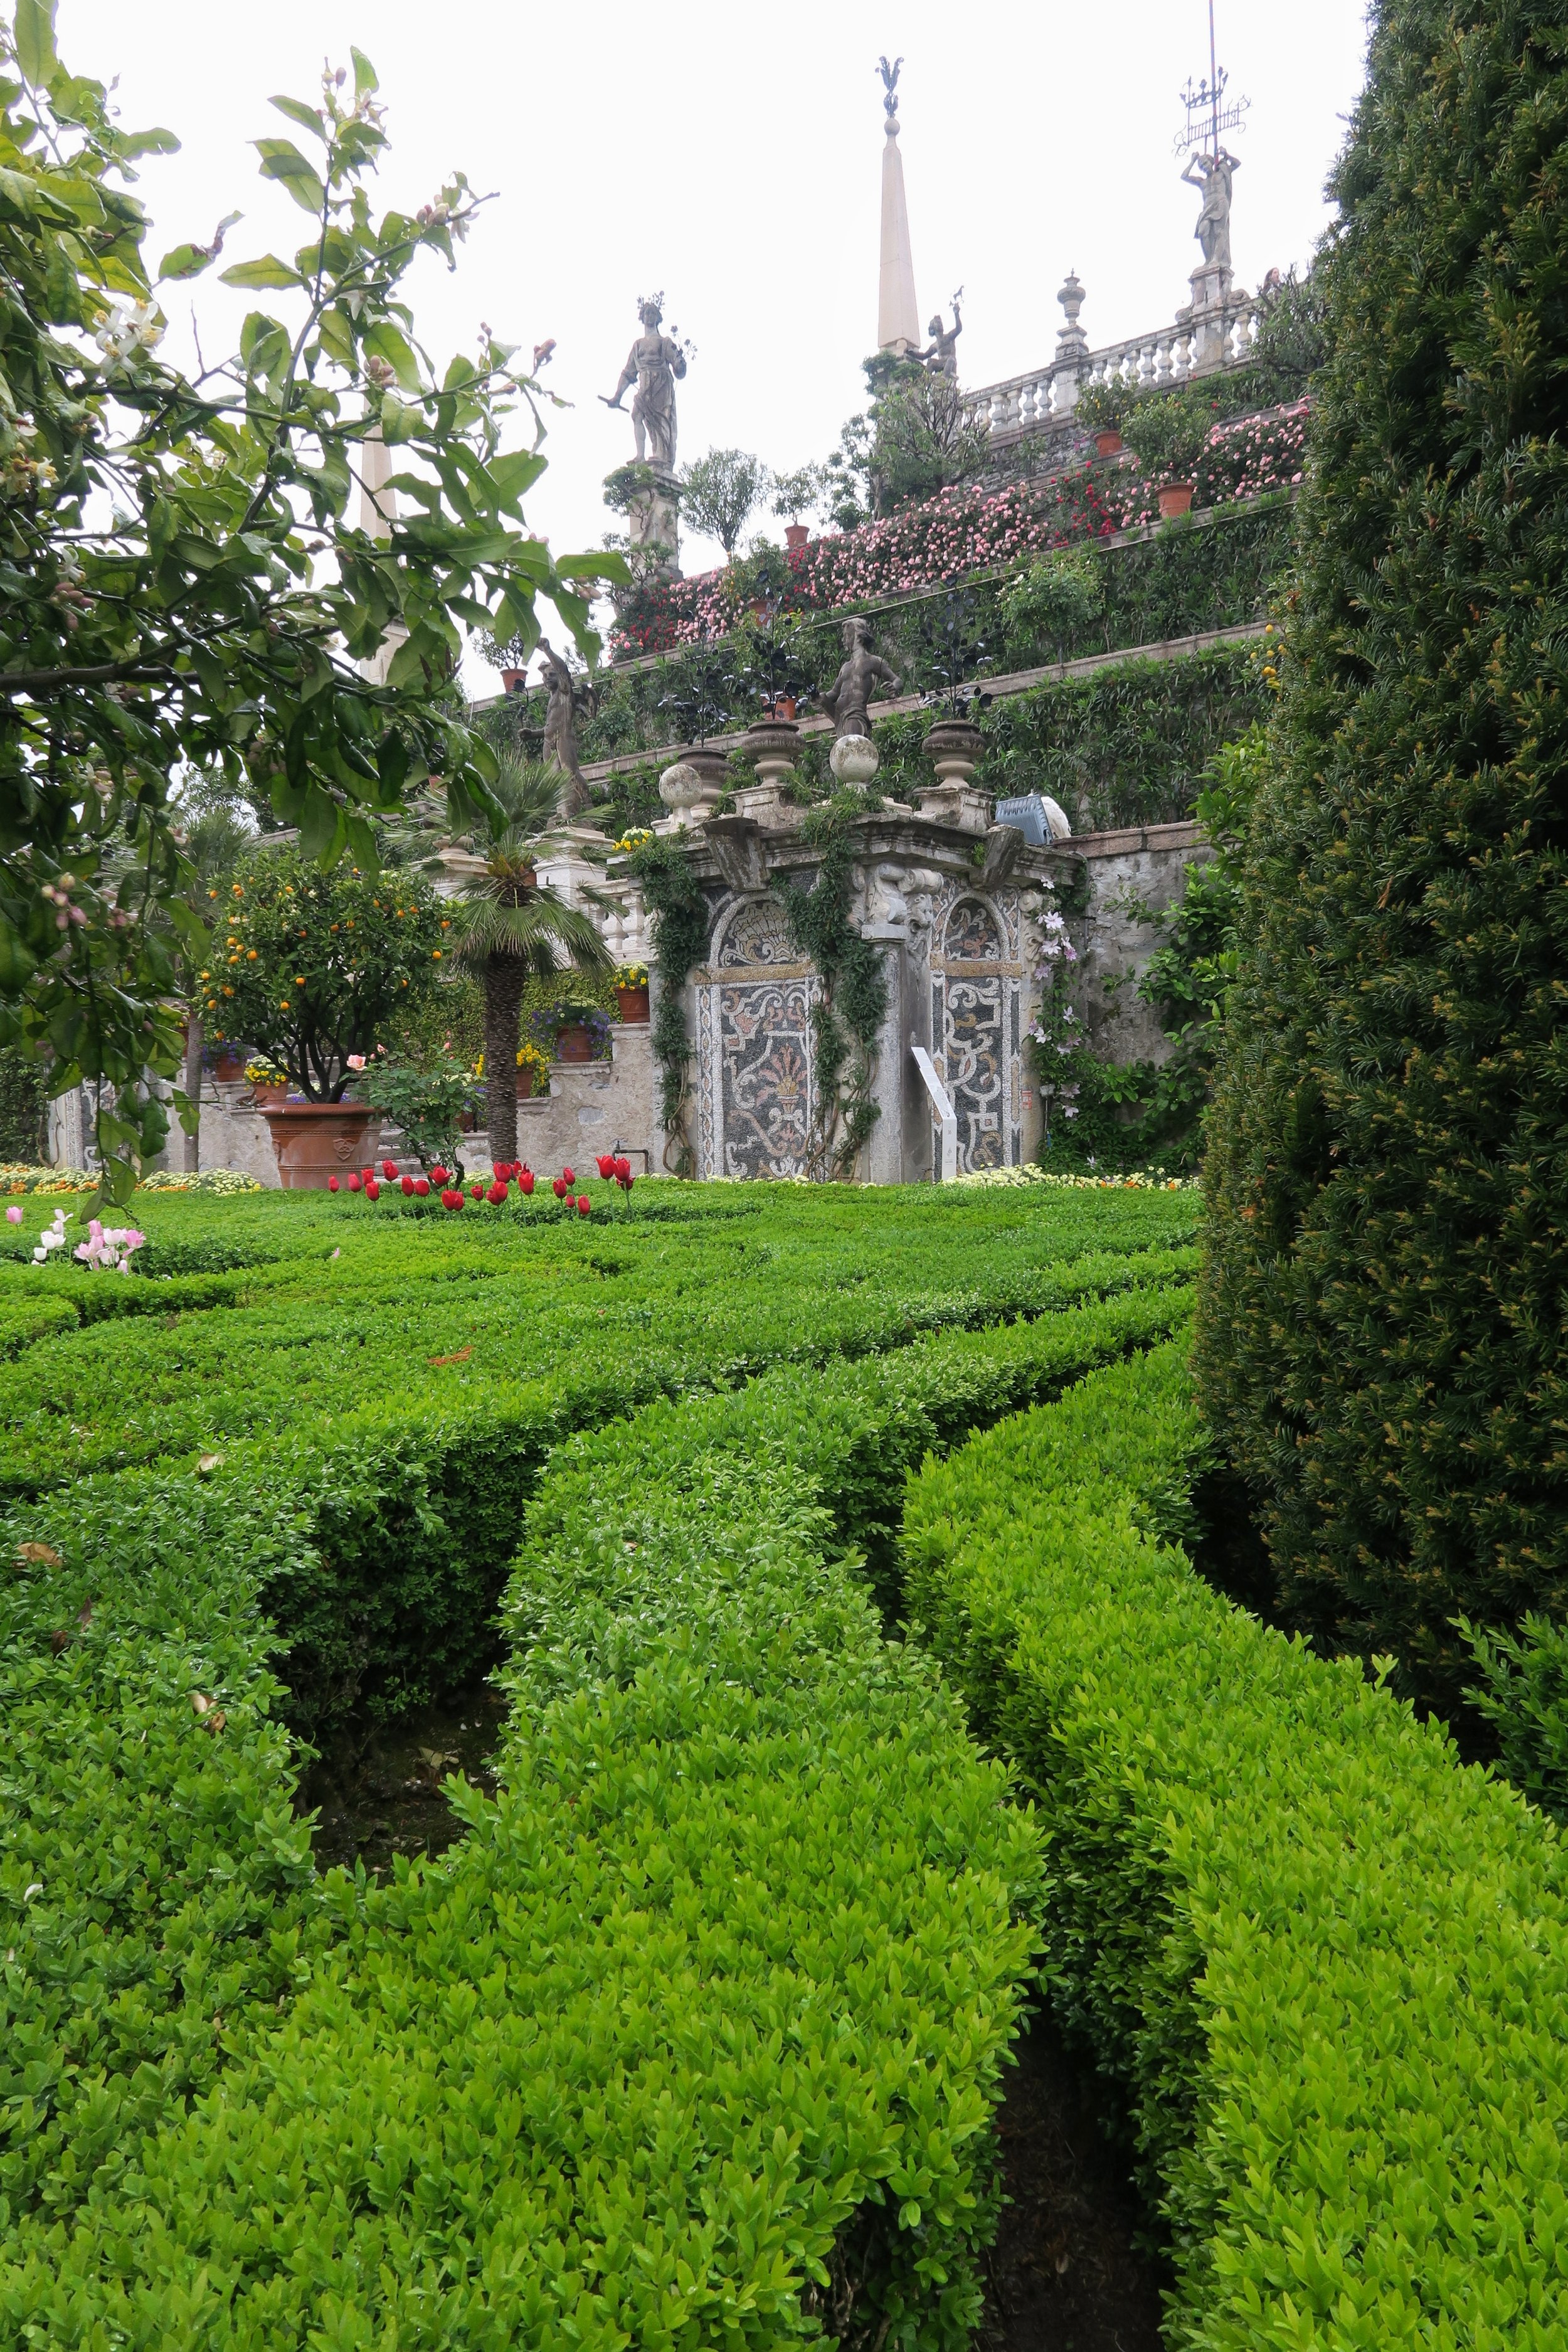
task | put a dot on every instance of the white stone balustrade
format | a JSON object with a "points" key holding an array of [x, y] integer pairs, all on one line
{"points": [[1207, 341]]}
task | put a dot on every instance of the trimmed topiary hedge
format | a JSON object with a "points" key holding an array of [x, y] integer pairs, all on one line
{"points": [[617, 2065], [1325, 1965], [1382, 1342]]}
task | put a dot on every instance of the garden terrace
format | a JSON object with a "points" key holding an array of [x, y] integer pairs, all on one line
{"points": [[1157, 585]]}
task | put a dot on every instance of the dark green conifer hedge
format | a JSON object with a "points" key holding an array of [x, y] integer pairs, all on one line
{"points": [[1382, 1341]]}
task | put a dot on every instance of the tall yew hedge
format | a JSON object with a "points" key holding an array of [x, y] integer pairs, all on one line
{"points": [[1382, 1343]]}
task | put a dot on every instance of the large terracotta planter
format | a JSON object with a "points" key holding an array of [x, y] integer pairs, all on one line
{"points": [[525, 1081], [315, 1140], [1175, 498], [1109, 443], [574, 1043], [795, 536], [633, 1003]]}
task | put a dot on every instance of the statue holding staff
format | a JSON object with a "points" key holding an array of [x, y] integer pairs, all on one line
{"points": [[654, 364]]}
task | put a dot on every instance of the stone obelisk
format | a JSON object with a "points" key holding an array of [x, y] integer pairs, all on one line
{"points": [[897, 318]]}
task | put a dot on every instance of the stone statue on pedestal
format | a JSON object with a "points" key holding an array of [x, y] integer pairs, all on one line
{"points": [[847, 701], [654, 364], [1215, 176], [561, 733]]}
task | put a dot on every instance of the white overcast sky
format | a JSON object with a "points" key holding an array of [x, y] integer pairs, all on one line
{"points": [[731, 156]]}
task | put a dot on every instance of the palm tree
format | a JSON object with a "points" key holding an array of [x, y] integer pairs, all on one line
{"points": [[508, 927]]}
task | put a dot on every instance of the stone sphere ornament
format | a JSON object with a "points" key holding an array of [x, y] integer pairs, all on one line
{"points": [[854, 759]]}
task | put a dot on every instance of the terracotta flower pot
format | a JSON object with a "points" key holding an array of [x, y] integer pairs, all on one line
{"points": [[633, 1003], [574, 1043], [268, 1097], [1175, 498], [795, 536], [524, 1081], [511, 680], [229, 1066], [315, 1140], [1109, 443], [783, 711]]}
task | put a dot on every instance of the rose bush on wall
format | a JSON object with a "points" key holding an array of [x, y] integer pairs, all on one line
{"points": [[966, 529]]}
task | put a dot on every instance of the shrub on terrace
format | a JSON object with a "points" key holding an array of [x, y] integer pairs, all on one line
{"points": [[1381, 1341]]}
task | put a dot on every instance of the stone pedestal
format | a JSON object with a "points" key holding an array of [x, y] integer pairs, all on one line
{"points": [[653, 527], [1210, 317], [959, 803]]}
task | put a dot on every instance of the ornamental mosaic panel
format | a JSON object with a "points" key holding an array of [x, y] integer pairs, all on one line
{"points": [[977, 1026], [757, 1096]]}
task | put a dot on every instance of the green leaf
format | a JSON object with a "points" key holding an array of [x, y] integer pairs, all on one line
{"points": [[385, 341], [399, 422], [281, 160], [364, 72], [148, 142], [265, 272], [34, 34], [298, 112], [186, 261]]}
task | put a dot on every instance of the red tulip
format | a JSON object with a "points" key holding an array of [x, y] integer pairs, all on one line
{"points": [[451, 1198], [367, 1173], [421, 1187], [606, 1165], [496, 1195], [372, 1190], [558, 1186], [626, 1181], [525, 1182], [475, 1192], [333, 1183], [407, 1184], [441, 1175], [353, 1183], [389, 1169], [584, 1206], [623, 1172], [567, 1178]]}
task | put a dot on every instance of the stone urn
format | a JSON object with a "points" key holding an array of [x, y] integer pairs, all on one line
{"points": [[854, 759], [315, 1140], [692, 788], [1175, 498], [771, 745], [953, 747]]}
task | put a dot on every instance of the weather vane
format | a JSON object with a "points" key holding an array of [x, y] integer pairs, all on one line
{"points": [[1209, 112]]}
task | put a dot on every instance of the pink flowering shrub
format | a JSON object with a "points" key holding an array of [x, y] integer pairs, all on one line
{"points": [[970, 529]]}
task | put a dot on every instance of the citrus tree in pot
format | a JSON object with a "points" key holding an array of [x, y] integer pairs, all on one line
{"points": [[311, 967]]}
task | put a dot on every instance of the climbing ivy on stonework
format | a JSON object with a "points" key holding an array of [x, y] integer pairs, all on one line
{"points": [[846, 1017], [678, 918]]}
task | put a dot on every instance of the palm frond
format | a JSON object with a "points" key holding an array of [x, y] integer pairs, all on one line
{"points": [[531, 932]]}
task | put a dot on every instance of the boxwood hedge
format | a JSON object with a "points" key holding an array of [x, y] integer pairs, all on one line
{"points": [[1325, 1965], [616, 2068]]}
